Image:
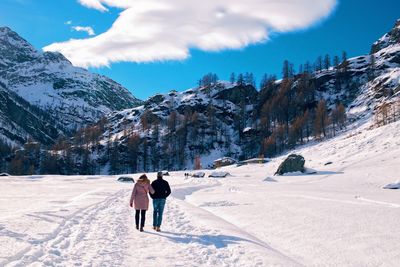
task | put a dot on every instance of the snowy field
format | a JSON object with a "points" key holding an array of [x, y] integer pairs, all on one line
{"points": [[340, 216]]}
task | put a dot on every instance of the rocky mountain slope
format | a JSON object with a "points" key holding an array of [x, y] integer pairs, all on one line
{"points": [[375, 78], [224, 119], [21, 120], [72, 96], [190, 129]]}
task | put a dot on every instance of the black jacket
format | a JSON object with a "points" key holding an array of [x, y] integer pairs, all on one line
{"points": [[161, 188]]}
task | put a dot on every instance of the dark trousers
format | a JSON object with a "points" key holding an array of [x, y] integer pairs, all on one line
{"points": [[142, 214]]}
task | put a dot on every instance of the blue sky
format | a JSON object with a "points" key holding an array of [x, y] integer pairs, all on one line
{"points": [[353, 26]]}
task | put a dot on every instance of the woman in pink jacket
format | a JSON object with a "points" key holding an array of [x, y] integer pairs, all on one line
{"points": [[140, 198]]}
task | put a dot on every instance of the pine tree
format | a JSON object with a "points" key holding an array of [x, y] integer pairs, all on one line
{"points": [[318, 64], [69, 161], [345, 63], [341, 116], [307, 123], [321, 119], [287, 70], [240, 80], [232, 78], [249, 79], [382, 114], [301, 69], [172, 121], [17, 166], [197, 163], [5, 152], [269, 146], [133, 144], [49, 163], [307, 68], [114, 158], [336, 61], [327, 62]]}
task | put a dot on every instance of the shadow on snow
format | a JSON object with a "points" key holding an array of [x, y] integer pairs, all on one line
{"points": [[218, 241]]}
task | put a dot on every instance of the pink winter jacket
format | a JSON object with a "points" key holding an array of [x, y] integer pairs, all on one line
{"points": [[140, 195]]}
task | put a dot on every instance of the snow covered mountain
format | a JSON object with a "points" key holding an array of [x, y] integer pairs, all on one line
{"points": [[20, 120], [184, 125], [179, 130], [70, 95], [224, 119], [375, 78]]}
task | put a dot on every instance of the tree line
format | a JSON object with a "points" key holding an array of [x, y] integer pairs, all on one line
{"points": [[387, 112], [285, 113]]}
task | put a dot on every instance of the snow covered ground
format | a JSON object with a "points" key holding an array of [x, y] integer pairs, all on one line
{"points": [[340, 216]]}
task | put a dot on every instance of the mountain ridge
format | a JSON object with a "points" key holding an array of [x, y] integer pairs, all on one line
{"points": [[72, 96], [181, 130], [223, 111]]}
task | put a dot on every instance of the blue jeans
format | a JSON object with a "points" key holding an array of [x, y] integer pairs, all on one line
{"points": [[158, 209]]}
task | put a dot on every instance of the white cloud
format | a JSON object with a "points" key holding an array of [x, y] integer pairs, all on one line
{"points": [[69, 22], [87, 29], [154, 30], [96, 4]]}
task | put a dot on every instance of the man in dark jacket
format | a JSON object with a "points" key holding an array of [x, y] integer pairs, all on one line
{"points": [[161, 192]]}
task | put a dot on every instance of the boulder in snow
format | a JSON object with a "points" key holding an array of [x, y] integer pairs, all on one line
{"points": [[253, 161], [293, 163], [392, 186], [219, 174], [126, 179], [198, 174], [225, 161]]}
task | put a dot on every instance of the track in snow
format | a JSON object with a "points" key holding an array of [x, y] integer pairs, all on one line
{"points": [[192, 236], [93, 236], [103, 234]]}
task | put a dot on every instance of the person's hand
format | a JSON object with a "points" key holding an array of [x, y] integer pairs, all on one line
{"points": [[131, 205]]}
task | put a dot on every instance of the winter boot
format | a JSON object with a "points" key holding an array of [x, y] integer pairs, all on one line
{"points": [[141, 229], [158, 229]]}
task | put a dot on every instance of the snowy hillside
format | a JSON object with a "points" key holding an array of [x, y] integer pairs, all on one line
{"points": [[340, 216], [19, 120], [207, 118], [73, 96], [233, 119], [178, 130], [374, 78]]}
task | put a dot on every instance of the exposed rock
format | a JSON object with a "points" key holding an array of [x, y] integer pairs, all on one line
{"points": [[392, 186], [293, 163]]}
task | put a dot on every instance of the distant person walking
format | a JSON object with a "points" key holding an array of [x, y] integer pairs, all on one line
{"points": [[161, 192], [140, 199]]}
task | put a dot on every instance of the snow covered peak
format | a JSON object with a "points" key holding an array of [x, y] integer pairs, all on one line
{"points": [[14, 48], [391, 38], [397, 23], [6, 31], [49, 81], [56, 57]]}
